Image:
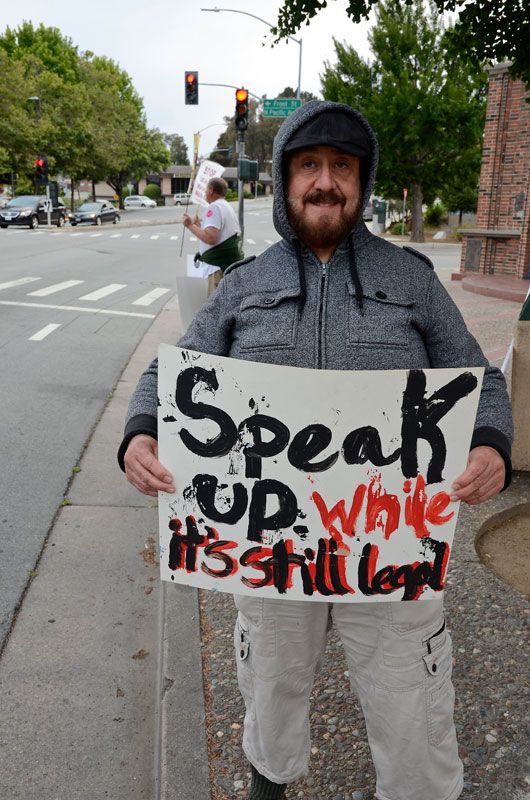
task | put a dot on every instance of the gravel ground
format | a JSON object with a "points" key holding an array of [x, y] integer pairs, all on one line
{"points": [[488, 623]]}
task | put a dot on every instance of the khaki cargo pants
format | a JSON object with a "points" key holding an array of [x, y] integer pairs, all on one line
{"points": [[399, 659]]}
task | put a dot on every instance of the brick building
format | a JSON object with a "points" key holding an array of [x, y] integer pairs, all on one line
{"points": [[500, 243]]}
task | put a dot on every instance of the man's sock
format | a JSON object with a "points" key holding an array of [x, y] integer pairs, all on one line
{"points": [[262, 788]]}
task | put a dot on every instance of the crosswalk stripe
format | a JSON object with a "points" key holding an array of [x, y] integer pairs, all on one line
{"points": [[109, 311], [150, 297], [104, 291], [17, 282], [57, 287], [40, 335], [154, 237], [251, 241], [269, 241], [96, 234], [116, 235], [174, 238], [136, 235]]}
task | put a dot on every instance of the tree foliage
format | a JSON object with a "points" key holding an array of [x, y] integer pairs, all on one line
{"points": [[80, 110], [486, 30], [426, 107], [177, 147]]}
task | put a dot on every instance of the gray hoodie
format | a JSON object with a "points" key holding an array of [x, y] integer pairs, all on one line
{"points": [[373, 306]]}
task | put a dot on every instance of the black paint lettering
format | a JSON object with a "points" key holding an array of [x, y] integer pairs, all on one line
{"points": [[248, 559], [283, 518], [221, 444], [420, 421], [215, 550], [307, 444], [206, 487], [364, 444], [262, 449], [284, 560]]}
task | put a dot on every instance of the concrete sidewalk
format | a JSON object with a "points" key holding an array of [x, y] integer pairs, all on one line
{"points": [[87, 692]]}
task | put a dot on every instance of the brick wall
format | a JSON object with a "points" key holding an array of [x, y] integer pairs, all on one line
{"points": [[500, 243]]}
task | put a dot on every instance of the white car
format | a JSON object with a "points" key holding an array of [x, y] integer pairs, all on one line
{"points": [[181, 199], [138, 201]]}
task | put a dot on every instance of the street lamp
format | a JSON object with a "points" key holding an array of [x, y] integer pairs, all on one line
{"points": [[247, 14]]}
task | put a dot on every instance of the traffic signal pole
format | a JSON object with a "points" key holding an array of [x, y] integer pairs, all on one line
{"points": [[240, 198]]}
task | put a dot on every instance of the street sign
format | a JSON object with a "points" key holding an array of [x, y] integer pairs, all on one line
{"points": [[280, 106]]}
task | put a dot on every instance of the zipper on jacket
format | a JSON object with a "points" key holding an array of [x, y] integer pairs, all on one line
{"points": [[321, 314]]}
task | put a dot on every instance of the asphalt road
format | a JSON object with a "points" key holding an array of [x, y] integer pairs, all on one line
{"points": [[74, 303]]}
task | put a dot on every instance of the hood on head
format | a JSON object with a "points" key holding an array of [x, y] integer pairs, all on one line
{"points": [[288, 129]]}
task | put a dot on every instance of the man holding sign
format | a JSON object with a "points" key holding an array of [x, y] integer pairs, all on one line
{"points": [[331, 296], [219, 233]]}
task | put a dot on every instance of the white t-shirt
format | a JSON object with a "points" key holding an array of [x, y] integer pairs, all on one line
{"points": [[219, 214]]}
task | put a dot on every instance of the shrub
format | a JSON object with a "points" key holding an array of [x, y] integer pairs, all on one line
{"points": [[231, 194], [395, 230], [152, 190], [435, 214]]}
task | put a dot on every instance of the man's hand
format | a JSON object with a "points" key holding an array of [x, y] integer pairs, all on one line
{"points": [[483, 477], [143, 469], [187, 220]]}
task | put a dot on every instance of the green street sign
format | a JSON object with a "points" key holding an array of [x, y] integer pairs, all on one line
{"points": [[280, 106]]}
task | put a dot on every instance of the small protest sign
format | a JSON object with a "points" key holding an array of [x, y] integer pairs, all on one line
{"points": [[310, 484], [206, 171]]}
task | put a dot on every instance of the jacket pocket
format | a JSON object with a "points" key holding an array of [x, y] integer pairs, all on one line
{"points": [[384, 321], [269, 320]]}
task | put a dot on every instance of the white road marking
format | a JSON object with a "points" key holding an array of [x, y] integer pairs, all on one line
{"points": [[136, 235], [18, 282], [57, 287], [78, 308], [154, 237], [43, 333], [251, 241], [269, 241], [193, 238], [96, 234], [77, 233], [116, 235], [150, 297], [104, 291], [174, 237]]}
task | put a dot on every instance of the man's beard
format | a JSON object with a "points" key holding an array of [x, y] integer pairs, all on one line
{"points": [[324, 232]]}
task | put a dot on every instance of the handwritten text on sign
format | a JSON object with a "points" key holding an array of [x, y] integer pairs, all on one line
{"points": [[310, 484]]}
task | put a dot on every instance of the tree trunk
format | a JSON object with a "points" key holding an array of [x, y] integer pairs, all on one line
{"points": [[72, 190], [93, 191], [417, 214]]}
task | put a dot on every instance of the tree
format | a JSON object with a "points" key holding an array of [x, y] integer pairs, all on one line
{"points": [[487, 30], [178, 149], [426, 107]]}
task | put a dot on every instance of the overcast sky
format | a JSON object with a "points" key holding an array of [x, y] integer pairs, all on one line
{"points": [[156, 41]]}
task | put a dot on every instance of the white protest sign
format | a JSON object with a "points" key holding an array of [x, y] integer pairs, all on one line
{"points": [[310, 485], [197, 269], [207, 170]]}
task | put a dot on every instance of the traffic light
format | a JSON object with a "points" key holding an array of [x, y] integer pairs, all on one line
{"points": [[41, 167], [191, 88], [241, 119]]}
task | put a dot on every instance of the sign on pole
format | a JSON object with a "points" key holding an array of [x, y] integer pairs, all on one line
{"points": [[282, 493], [280, 106], [206, 171]]}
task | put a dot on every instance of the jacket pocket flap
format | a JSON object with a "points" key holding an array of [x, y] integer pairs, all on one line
{"points": [[391, 297], [269, 299]]}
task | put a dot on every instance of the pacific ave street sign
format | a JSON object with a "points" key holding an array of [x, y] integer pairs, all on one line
{"points": [[280, 106]]}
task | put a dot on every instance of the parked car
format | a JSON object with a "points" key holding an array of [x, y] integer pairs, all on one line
{"points": [[138, 201], [31, 210], [368, 213], [95, 213], [181, 199]]}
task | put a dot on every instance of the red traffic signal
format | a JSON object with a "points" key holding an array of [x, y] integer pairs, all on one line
{"points": [[41, 167], [191, 88], [241, 118]]}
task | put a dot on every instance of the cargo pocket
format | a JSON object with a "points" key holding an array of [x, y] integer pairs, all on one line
{"points": [[244, 672], [269, 320], [440, 694]]}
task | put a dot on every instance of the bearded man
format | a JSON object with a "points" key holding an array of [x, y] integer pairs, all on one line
{"points": [[330, 295]]}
